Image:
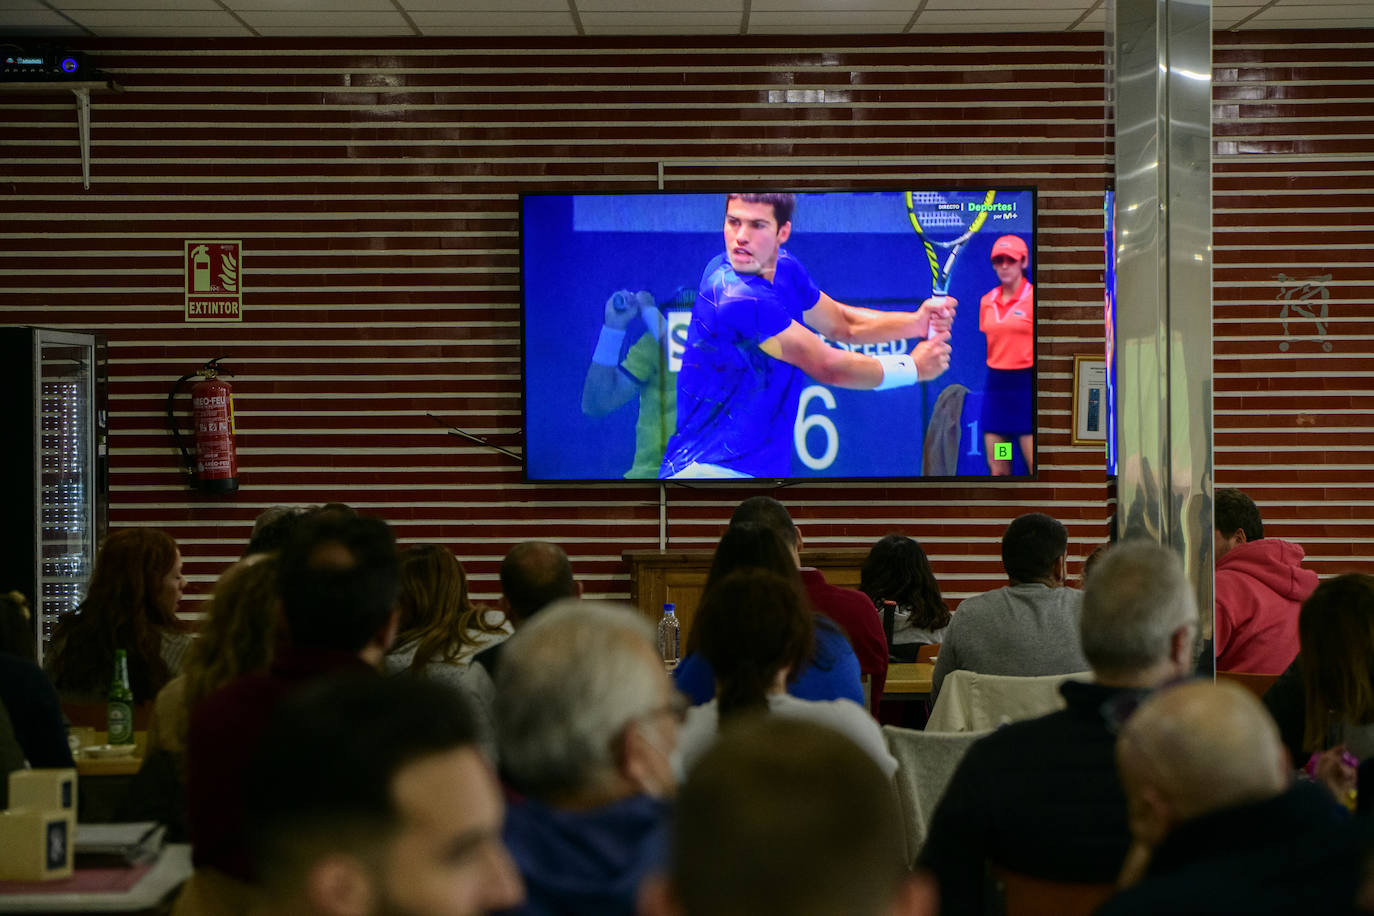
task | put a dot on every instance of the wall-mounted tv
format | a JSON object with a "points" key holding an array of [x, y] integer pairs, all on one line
{"points": [[779, 335]]}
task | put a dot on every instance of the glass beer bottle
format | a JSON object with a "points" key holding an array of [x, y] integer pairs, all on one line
{"points": [[120, 711]]}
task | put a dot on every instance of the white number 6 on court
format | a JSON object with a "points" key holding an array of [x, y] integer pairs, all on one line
{"points": [[805, 424]]}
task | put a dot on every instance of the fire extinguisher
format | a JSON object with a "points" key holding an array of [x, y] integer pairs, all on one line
{"points": [[215, 467]]}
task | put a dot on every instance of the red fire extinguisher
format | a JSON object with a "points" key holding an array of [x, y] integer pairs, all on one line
{"points": [[215, 467]]}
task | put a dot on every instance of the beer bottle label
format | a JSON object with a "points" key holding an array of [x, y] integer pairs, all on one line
{"points": [[121, 723]]}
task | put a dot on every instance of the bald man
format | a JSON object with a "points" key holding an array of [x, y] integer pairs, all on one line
{"points": [[1217, 825]]}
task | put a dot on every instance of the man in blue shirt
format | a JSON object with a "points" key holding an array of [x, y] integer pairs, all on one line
{"points": [[754, 338]]}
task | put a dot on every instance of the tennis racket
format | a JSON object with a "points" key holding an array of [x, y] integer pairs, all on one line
{"points": [[944, 222]]}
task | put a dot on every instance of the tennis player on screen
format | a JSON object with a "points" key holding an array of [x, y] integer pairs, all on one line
{"points": [[648, 369], [754, 339], [1006, 315]]}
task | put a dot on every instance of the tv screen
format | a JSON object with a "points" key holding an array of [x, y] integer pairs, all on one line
{"points": [[772, 335]]}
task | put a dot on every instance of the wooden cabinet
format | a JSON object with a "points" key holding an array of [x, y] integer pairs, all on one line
{"points": [[679, 576]]}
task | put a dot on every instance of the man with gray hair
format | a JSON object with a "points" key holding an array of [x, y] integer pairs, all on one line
{"points": [[586, 718], [1041, 797], [1218, 825]]}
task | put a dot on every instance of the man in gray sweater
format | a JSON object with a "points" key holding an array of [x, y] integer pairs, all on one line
{"points": [[1030, 626]]}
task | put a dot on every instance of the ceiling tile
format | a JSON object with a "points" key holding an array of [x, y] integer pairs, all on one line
{"points": [[136, 7], [130, 22], [307, 6], [1008, 21], [667, 6], [503, 22], [856, 6], [665, 22], [857, 20], [306, 22], [458, 7], [37, 22]]}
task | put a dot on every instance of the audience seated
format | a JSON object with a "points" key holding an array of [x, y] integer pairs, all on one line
{"points": [[27, 697], [1028, 627], [441, 629], [370, 796], [534, 574], [337, 583], [1041, 797], [1259, 587], [851, 609], [130, 604], [240, 635], [1325, 701], [830, 672], [586, 719], [242, 629], [273, 527], [754, 630], [1217, 825], [896, 569], [787, 817], [18, 631]]}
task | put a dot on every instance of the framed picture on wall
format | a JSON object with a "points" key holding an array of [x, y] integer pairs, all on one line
{"points": [[1089, 400]]}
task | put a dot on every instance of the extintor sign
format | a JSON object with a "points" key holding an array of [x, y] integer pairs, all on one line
{"points": [[214, 287]]}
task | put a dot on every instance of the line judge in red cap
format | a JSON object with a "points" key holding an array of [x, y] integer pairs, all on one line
{"points": [[1006, 315]]}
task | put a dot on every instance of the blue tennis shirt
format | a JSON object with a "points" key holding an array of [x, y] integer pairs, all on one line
{"points": [[736, 405]]}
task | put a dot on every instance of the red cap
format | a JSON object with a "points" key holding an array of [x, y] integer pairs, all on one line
{"points": [[1011, 246]]}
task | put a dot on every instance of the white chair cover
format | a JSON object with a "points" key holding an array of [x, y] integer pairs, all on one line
{"points": [[970, 701]]}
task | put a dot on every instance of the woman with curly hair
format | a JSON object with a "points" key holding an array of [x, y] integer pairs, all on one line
{"points": [[441, 628], [131, 605], [242, 629], [897, 570]]}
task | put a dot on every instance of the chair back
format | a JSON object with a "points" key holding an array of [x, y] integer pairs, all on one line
{"points": [[1258, 684], [969, 701], [928, 652], [925, 763], [1026, 895]]}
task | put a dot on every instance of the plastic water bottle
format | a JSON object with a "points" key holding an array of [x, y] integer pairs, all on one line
{"points": [[669, 637]]}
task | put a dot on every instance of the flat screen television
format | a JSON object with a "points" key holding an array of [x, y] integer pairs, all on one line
{"points": [[689, 336]]}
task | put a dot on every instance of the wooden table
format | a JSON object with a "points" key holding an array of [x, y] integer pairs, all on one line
{"points": [[108, 766], [908, 680], [103, 782], [65, 895]]}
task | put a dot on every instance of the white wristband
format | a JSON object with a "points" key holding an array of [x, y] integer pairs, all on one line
{"points": [[608, 346], [899, 371]]}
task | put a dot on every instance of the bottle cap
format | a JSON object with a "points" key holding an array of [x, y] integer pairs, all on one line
{"points": [[669, 608]]}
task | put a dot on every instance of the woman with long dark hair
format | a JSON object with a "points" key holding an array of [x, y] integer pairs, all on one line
{"points": [[1336, 660], [896, 570], [755, 630], [831, 670], [131, 605]]}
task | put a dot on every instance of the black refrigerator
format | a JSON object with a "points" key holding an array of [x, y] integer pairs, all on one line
{"points": [[54, 468]]}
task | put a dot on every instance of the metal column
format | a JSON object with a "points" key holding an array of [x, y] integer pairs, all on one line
{"points": [[1162, 53]]}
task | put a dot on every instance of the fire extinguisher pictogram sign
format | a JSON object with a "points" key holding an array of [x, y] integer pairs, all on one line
{"points": [[214, 286]]}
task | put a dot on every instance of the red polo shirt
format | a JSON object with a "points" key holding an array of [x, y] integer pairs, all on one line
{"points": [[1010, 327]]}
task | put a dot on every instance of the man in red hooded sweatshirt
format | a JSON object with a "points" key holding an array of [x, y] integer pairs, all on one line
{"points": [[1259, 590]]}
